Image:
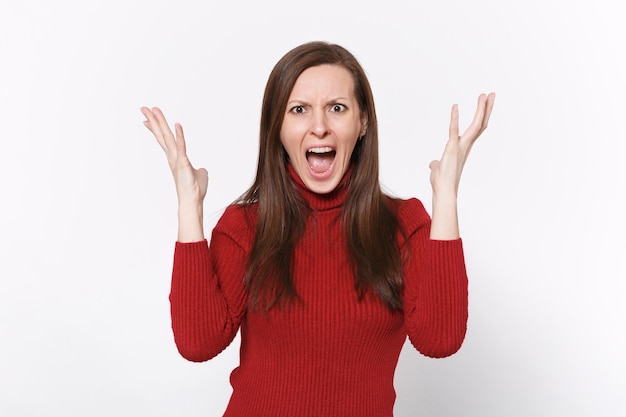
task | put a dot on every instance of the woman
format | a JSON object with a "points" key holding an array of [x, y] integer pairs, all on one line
{"points": [[324, 274]]}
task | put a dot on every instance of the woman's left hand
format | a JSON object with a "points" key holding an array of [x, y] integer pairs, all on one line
{"points": [[445, 174]]}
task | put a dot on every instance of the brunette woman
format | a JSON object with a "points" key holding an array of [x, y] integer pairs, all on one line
{"points": [[324, 275]]}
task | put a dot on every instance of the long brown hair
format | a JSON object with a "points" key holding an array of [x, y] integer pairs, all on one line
{"points": [[370, 225]]}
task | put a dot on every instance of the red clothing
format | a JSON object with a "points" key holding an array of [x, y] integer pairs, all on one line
{"points": [[330, 356]]}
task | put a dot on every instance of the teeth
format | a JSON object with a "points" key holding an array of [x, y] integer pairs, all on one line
{"points": [[323, 149]]}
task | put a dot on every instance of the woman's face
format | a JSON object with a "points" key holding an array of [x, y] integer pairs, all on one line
{"points": [[321, 126]]}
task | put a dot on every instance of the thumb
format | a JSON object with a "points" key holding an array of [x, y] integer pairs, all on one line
{"points": [[202, 173], [433, 165]]}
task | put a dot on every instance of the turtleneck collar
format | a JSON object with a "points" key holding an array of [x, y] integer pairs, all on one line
{"points": [[322, 202]]}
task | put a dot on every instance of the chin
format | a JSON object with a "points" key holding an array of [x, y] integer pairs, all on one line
{"points": [[324, 186]]}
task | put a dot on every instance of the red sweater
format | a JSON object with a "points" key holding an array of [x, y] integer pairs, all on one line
{"points": [[332, 355]]}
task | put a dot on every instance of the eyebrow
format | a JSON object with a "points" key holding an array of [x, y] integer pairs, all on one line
{"points": [[333, 100]]}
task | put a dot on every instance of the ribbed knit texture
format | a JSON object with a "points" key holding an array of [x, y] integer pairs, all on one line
{"points": [[331, 355]]}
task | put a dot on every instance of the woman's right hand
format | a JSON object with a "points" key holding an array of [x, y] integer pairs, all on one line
{"points": [[191, 184]]}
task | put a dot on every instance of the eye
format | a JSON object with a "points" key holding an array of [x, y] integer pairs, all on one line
{"points": [[337, 108], [297, 109]]}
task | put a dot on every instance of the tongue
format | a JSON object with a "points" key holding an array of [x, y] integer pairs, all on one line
{"points": [[320, 162]]}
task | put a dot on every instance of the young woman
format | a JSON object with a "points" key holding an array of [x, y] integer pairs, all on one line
{"points": [[324, 275]]}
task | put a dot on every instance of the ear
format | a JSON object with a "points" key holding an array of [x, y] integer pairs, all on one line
{"points": [[363, 126]]}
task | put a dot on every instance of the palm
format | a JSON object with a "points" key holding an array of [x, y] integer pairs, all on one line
{"points": [[191, 183], [446, 173]]}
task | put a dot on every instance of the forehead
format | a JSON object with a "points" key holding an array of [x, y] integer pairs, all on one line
{"points": [[324, 81]]}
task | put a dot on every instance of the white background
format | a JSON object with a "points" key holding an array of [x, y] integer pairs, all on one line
{"points": [[88, 210]]}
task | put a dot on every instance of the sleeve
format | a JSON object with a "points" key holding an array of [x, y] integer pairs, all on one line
{"points": [[435, 299], [208, 297]]}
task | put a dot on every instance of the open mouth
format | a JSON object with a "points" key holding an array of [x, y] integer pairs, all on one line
{"points": [[320, 159]]}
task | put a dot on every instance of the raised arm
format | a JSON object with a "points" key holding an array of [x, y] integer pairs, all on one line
{"points": [[191, 183], [445, 174], [207, 298]]}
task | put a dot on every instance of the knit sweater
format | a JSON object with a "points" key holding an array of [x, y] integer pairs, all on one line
{"points": [[331, 355]]}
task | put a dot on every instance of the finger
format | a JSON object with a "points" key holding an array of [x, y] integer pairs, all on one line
{"points": [[491, 98], [150, 118], [454, 123], [181, 146], [433, 165], [474, 129], [204, 174], [203, 179], [152, 124], [146, 113], [166, 132]]}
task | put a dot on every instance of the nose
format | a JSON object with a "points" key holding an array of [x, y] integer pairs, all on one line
{"points": [[319, 124]]}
